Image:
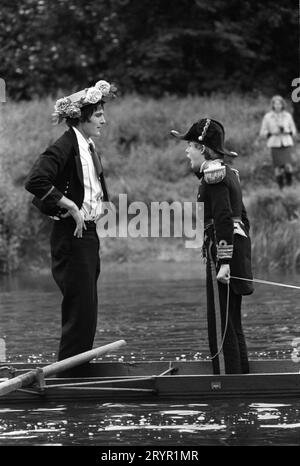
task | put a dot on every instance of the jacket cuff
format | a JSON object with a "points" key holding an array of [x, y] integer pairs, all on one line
{"points": [[53, 197], [224, 252]]}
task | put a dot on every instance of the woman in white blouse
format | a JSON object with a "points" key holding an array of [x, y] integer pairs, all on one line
{"points": [[279, 128]]}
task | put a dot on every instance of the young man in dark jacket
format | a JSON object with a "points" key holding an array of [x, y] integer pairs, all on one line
{"points": [[68, 184], [227, 245]]}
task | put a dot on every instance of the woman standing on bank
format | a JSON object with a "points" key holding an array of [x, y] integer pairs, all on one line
{"points": [[279, 128]]}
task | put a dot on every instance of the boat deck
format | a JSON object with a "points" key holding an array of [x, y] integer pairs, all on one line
{"points": [[158, 380]]}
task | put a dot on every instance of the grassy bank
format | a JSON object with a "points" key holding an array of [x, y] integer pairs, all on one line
{"points": [[142, 160], [275, 218]]}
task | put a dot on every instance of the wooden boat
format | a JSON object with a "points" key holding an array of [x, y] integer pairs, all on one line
{"points": [[157, 380]]}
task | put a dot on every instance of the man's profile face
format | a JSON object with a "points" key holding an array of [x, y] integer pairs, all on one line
{"points": [[92, 128], [194, 152]]}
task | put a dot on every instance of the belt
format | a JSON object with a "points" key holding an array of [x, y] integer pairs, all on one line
{"points": [[71, 222], [90, 224], [210, 221]]}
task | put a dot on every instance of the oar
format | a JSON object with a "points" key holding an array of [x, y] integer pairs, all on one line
{"points": [[28, 378], [217, 312]]}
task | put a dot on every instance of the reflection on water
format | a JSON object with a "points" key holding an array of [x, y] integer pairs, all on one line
{"points": [[159, 309], [217, 423]]}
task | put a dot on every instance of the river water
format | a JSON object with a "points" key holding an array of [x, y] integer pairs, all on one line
{"points": [[159, 309]]}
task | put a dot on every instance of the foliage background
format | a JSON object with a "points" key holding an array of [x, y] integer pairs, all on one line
{"points": [[149, 46]]}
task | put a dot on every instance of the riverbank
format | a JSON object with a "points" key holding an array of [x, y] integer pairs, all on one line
{"points": [[144, 162]]}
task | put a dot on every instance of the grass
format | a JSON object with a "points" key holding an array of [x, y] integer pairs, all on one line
{"points": [[276, 228], [142, 160]]}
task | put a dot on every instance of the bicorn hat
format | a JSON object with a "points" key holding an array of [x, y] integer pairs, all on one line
{"points": [[209, 132]]}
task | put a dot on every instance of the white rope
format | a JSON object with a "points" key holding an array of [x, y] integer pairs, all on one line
{"points": [[266, 282], [256, 280]]}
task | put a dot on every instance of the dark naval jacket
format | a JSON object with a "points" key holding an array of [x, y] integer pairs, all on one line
{"points": [[226, 223]]}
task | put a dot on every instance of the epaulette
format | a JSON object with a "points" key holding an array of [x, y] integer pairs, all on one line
{"points": [[215, 173]]}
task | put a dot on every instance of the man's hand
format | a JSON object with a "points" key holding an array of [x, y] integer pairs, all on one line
{"points": [[75, 213], [224, 274]]}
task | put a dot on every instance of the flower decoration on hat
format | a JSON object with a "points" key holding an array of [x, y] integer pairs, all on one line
{"points": [[103, 86], [93, 95], [70, 106]]}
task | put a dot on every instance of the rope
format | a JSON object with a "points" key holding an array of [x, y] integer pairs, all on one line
{"points": [[110, 389], [256, 280], [101, 382], [266, 282]]}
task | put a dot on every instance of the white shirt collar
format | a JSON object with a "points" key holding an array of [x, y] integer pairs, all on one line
{"points": [[81, 139]]}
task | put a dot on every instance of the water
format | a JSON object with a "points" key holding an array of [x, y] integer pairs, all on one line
{"points": [[217, 423], [159, 309]]}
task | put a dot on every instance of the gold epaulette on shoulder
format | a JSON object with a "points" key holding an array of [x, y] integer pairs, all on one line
{"points": [[215, 173]]}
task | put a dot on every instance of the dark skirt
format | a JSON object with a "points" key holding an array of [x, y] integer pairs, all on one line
{"points": [[281, 155]]}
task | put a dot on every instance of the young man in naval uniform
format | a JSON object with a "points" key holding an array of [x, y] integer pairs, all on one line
{"points": [[68, 185], [227, 245]]}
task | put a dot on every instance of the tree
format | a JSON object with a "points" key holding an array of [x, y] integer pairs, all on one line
{"points": [[149, 46]]}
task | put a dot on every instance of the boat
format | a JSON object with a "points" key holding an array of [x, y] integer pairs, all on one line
{"points": [[113, 381]]}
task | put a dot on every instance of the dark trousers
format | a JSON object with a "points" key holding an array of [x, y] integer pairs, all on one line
{"points": [[75, 269], [234, 345]]}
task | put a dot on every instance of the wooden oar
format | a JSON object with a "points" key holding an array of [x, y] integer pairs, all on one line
{"points": [[217, 312], [24, 380]]}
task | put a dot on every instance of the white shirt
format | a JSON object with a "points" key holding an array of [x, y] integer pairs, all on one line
{"points": [[92, 204], [271, 124]]}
